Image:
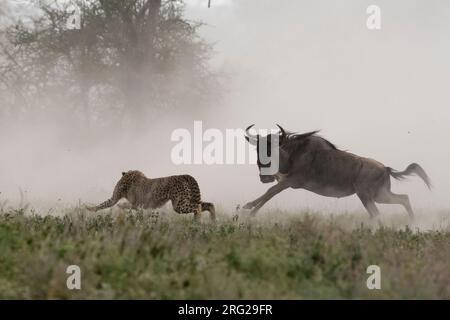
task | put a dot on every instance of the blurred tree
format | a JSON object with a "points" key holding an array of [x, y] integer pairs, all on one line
{"points": [[126, 58]]}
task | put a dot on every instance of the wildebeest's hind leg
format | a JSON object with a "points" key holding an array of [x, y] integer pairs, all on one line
{"points": [[386, 196], [369, 204]]}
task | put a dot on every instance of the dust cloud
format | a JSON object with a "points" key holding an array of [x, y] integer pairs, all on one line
{"points": [[303, 64]]}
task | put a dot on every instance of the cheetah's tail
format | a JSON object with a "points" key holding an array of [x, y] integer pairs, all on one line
{"points": [[107, 204], [89, 208]]}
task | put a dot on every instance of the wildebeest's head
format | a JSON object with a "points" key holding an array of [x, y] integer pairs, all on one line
{"points": [[267, 148]]}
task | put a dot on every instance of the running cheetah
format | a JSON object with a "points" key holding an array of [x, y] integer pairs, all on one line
{"points": [[146, 193]]}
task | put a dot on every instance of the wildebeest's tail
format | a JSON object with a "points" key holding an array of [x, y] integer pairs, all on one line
{"points": [[413, 168]]}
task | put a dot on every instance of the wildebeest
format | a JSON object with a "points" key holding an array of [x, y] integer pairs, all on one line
{"points": [[308, 161]]}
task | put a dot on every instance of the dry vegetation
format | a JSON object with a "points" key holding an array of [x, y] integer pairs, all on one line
{"points": [[166, 256]]}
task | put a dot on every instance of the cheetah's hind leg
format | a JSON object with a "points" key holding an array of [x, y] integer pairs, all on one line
{"points": [[186, 207]]}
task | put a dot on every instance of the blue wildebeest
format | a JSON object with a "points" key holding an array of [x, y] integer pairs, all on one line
{"points": [[308, 161]]}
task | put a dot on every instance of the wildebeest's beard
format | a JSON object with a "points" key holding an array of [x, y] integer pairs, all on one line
{"points": [[268, 151], [268, 157]]}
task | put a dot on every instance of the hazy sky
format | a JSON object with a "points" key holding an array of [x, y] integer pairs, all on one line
{"points": [[306, 65]]}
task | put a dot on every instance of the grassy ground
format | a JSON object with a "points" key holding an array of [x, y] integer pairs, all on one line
{"points": [[166, 256]]}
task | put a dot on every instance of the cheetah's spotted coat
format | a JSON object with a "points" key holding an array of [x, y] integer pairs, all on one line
{"points": [[142, 192]]}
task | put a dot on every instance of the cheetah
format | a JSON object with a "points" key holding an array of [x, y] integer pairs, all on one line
{"points": [[146, 193]]}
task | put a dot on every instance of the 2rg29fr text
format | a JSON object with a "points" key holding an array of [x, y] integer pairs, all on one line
{"points": [[259, 309]]}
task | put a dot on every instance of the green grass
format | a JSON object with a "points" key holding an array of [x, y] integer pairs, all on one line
{"points": [[167, 256]]}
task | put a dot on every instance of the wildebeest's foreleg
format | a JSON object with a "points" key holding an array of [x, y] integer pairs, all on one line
{"points": [[258, 203]]}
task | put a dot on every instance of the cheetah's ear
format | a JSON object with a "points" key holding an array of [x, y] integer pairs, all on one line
{"points": [[123, 173]]}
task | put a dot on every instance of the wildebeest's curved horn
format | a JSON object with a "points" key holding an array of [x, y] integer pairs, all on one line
{"points": [[283, 133], [251, 138]]}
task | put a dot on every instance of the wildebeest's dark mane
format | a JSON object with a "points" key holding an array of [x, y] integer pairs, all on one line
{"points": [[299, 140]]}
